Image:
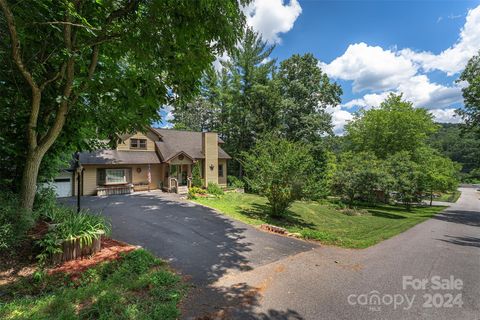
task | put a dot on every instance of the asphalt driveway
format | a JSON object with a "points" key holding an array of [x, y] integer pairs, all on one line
{"points": [[197, 241], [336, 283]]}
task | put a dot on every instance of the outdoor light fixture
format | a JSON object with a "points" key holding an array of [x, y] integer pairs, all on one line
{"points": [[212, 166], [78, 170]]}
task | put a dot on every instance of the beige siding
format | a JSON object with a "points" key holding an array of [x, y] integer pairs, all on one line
{"points": [[210, 150], [223, 180], [150, 136], [90, 176], [90, 181], [142, 176]]}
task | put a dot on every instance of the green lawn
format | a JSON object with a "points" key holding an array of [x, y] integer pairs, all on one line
{"points": [[322, 221], [137, 286], [449, 196]]}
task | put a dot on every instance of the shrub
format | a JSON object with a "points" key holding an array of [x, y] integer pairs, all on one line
{"points": [[194, 191], [70, 225], [14, 223], [355, 212], [196, 175], [235, 182], [360, 176], [214, 189], [45, 203], [278, 169]]}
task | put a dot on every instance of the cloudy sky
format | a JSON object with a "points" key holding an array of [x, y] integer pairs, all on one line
{"points": [[375, 47]]}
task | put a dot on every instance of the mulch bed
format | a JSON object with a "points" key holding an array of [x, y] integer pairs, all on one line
{"points": [[24, 264], [110, 250]]}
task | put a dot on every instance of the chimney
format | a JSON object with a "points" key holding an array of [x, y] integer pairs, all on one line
{"points": [[210, 151]]}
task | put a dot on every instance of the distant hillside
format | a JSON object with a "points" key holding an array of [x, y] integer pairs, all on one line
{"points": [[460, 146]]}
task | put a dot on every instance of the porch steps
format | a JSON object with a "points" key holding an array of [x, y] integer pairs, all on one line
{"points": [[182, 190]]}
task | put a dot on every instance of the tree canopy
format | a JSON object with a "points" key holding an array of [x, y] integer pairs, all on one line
{"points": [[471, 94], [306, 92], [97, 68], [278, 169], [252, 96], [395, 126], [460, 145]]}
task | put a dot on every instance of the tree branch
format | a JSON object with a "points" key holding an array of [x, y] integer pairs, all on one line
{"points": [[36, 93], [17, 57], [68, 23], [57, 75], [129, 7], [54, 131]]}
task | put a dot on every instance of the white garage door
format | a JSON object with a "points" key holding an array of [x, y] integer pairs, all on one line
{"points": [[63, 187]]}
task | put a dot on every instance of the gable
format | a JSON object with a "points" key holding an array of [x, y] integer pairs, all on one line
{"points": [[125, 143], [172, 142]]}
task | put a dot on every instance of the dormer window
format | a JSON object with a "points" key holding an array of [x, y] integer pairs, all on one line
{"points": [[138, 143]]}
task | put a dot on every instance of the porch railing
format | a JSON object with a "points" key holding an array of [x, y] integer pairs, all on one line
{"points": [[112, 190], [171, 182]]}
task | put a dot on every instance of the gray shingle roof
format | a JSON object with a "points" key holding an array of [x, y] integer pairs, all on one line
{"points": [[172, 143], [190, 142], [119, 157]]}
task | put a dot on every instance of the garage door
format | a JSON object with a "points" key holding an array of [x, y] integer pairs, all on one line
{"points": [[63, 187]]}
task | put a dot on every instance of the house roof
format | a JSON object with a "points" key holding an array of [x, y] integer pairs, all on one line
{"points": [[119, 157], [190, 142]]}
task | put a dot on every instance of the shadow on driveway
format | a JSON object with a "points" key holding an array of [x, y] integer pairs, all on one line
{"points": [[202, 244], [469, 218]]}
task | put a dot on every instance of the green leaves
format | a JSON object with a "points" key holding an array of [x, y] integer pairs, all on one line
{"points": [[306, 92], [148, 53], [388, 153], [278, 169], [395, 126], [471, 94]]}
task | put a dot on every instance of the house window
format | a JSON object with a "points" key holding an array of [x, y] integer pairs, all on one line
{"points": [[220, 170], [115, 176], [138, 143]]}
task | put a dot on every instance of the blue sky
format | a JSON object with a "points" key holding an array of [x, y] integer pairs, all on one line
{"points": [[375, 47]]}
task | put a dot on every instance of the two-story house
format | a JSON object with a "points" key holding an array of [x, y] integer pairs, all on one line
{"points": [[157, 159]]}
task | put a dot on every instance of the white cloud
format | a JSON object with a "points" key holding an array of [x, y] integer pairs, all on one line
{"points": [[445, 116], [272, 17], [419, 90], [380, 71], [367, 101], [217, 64], [167, 111], [339, 118], [453, 59], [426, 94], [370, 67]]}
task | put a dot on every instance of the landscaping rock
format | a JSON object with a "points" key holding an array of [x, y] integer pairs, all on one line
{"points": [[274, 229]]}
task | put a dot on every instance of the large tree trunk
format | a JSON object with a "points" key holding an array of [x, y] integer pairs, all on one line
{"points": [[29, 180]]}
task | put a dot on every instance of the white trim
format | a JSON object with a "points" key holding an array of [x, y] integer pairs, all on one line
{"points": [[116, 182]]}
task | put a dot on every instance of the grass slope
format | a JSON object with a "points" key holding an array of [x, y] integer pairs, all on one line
{"points": [[449, 196], [137, 286], [322, 221]]}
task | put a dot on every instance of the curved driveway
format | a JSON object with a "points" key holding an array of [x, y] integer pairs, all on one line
{"points": [[200, 243], [331, 283], [239, 272]]}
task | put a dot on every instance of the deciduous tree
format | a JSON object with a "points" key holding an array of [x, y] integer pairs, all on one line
{"points": [[278, 169], [471, 94], [395, 126], [109, 64]]}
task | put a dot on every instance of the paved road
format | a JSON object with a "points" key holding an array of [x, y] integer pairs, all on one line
{"points": [[319, 283]]}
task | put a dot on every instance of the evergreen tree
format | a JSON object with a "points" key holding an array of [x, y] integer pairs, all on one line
{"points": [[306, 92]]}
